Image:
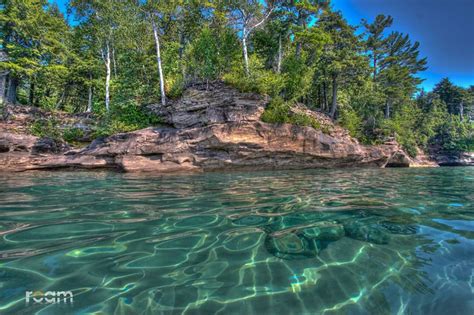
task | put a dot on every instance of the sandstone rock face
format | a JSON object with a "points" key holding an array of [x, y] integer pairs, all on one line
{"points": [[205, 104], [455, 159], [247, 145], [213, 128]]}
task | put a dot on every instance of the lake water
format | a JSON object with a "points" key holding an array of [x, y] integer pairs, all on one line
{"points": [[378, 241]]}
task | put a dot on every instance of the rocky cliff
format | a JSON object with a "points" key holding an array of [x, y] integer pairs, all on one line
{"points": [[214, 128]]}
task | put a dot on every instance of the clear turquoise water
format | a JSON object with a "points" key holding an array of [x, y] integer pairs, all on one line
{"points": [[391, 241]]}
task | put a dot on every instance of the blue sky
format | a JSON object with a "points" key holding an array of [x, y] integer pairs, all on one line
{"points": [[444, 29]]}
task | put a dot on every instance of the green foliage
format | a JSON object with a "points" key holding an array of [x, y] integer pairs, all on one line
{"points": [[72, 134], [351, 120], [259, 80], [455, 135], [298, 77], [302, 52], [125, 118], [402, 127], [204, 54], [48, 127], [278, 111]]}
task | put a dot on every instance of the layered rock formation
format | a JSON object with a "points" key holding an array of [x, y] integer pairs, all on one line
{"points": [[211, 129], [455, 159]]}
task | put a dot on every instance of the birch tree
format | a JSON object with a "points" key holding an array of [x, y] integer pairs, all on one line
{"points": [[158, 61], [156, 11], [106, 58], [101, 18], [247, 16]]}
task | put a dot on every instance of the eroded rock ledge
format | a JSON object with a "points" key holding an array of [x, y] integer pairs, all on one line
{"points": [[215, 129]]}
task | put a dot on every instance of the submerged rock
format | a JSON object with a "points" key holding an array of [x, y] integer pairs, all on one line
{"points": [[399, 228], [325, 231], [367, 232], [250, 220], [290, 246]]}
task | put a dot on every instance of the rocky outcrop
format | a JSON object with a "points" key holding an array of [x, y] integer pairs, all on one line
{"points": [[247, 145], [455, 159], [17, 119], [208, 104], [214, 129]]}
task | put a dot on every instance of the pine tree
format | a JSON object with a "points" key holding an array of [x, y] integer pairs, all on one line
{"points": [[341, 56], [375, 40]]}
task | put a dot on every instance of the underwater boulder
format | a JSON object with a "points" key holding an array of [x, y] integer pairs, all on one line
{"points": [[289, 222], [251, 220], [291, 246], [362, 231], [399, 228], [325, 230]]}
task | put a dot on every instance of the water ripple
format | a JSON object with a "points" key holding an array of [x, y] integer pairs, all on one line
{"points": [[301, 242]]}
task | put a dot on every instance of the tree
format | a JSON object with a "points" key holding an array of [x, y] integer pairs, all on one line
{"points": [[453, 96], [301, 14], [104, 20], [375, 40], [399, 63], [247, 15], [341, 55], [204, 54], [34, 42], [160, 14]]}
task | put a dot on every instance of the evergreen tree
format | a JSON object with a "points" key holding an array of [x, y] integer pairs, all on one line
{"points": [[376, 41], [342, 57]]}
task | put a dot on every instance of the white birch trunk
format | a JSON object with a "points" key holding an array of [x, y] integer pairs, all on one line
{"points": [[246, 57], [107, 78], [280, 53], [246, 31], [158, 59]]}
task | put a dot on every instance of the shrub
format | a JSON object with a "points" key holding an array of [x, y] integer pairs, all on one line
{"points": [[278, 111], [125, 117], [350, 120], [72, 134], [298, 77], [48, 127], [455, 135], [403, 126], [270, 83], [258, 80]]}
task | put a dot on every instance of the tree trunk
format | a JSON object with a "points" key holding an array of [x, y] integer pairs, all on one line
{"points": [[89, 101], [325, 96], [3, 83], [246, 57], [280, 55], [12, 87], [107, 78], [334, 97], [158, 59], [461, 110], [387, 109], [115, 63], [298, 44], [182, 44], [31, 97], [61, 99], [375, 68]]}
